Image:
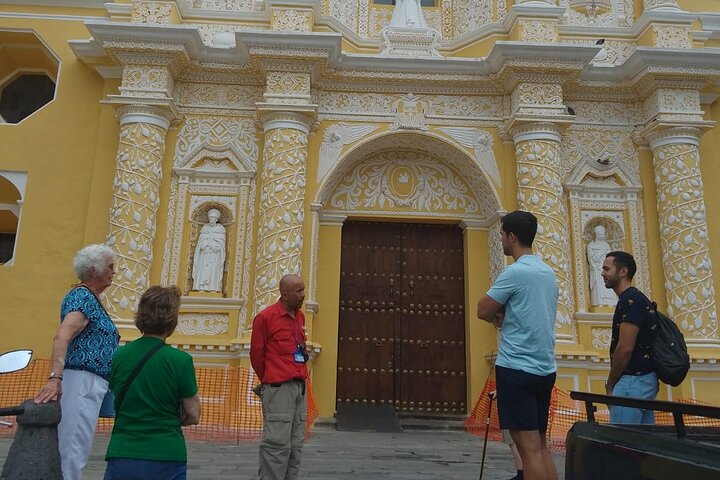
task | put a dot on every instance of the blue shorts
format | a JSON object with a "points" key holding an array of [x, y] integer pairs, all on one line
{"points": [[523, 399], [134, 469]]}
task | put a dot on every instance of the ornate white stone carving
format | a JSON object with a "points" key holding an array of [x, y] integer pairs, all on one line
{"points": [[661, 4], [537, 98], [217, 144], [471, 15], [202, 324], [212, 95], [406, 181], [538, 31], [287, 88], [540, 192], [152, 12], [291, 20], [415, 42], [684, 234], [609, 145], [456, 107], [136, 197], [281, 218], [601, 339], [147, 81], [336, 137], [410, 114], [672, 36], [430, 146], [620, 14], [408, 33], [225, 5], [607, 195], [498, 259], [482, 143], [615, 52], [345, 12], [197, 200]]}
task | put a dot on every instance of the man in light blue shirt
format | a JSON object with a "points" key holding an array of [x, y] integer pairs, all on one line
{"points": [[522, 303]]}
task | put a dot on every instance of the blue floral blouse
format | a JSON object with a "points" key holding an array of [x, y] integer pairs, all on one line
{"points": [[93, 348]]}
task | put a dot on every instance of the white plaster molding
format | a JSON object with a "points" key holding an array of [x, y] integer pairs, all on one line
{"points": [[336, 137], [674, 136], [144, 114], [536, 131], [297, 120]]}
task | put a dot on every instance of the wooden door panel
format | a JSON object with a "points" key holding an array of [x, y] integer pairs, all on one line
{"points": [[402, 319], [433, 321], [367, 314]]}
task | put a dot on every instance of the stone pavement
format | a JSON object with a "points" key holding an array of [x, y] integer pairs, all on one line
{"points": [[329, 454]]}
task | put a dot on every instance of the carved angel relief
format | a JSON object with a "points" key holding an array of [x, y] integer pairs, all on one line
{"points": [[482, 142], [336, 137]]}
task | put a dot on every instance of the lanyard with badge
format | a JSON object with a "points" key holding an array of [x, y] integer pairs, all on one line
{"points": [[300, 355]]}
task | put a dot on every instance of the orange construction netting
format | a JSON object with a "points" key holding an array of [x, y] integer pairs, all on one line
{"points": [[564, 412], [230, 409]]}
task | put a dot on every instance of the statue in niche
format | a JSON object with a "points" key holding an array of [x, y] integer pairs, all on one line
{"points": [[408, 14], [596, 251], [209, 260]]}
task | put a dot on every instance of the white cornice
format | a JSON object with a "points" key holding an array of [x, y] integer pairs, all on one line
{"points": [[711, 23], [658, 59], [58, 3], [503, 51]]}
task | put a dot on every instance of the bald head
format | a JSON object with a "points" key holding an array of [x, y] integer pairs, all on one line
{"points": [[292, 291]]}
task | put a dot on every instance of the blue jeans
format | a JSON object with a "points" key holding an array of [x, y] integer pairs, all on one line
{"points": [[641, 386], [134, 469]]}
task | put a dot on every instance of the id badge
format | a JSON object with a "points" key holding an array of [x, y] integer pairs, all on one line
{"points": [[299, 356]]}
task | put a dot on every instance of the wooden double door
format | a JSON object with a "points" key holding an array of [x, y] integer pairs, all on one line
{"points": [[401, 338]]}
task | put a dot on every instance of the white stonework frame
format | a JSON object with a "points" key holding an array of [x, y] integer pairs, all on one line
{"points": [[213, 166], [594, 193]]}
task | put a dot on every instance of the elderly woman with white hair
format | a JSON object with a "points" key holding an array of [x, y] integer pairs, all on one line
{"points": [[82, 352]]}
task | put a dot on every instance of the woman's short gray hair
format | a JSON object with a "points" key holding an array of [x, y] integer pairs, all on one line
{"points": [[93, 257]]}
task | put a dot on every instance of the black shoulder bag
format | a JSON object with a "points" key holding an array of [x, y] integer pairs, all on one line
{"points": [[121, 395]]}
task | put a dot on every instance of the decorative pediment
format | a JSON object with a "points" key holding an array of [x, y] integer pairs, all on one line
{"points": [[216, 145]]}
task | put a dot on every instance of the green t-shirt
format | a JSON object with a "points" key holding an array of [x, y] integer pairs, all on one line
{"points": [[147, 426]]}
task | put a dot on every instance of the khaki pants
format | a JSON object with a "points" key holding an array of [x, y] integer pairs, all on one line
{"points": [[284, 417]]}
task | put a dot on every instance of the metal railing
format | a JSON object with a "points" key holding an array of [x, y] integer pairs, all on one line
{"points": [[677, 410]]}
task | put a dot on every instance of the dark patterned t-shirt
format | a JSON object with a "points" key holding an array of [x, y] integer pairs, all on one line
{"points": [[634, 307], [93, 348]]}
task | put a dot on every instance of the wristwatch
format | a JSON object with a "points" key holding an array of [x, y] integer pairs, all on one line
{"points": [[57, 375]]}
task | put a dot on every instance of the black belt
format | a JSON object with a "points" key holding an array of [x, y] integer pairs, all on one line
{"points": [[298, 380]]}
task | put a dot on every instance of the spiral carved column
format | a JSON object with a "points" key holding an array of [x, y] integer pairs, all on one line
{"points": [[136, 197], [684, 233], [282, 194], [540, 192]]}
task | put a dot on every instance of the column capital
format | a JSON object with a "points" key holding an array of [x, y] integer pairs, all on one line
{"points": [[159, 112], [659, 134], [296, 117], [661, 5], [521, 131]]}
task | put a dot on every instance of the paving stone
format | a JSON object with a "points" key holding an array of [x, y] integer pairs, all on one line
{"points": [[333, 455]]}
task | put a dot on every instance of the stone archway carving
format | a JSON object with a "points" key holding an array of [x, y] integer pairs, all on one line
{"points": [[410, 174]]}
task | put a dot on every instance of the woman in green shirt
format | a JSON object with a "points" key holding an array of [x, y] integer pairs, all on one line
{"points": [[155, 394]]}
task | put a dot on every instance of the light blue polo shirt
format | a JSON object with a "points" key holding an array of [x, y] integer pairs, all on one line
{"points": [[529, 290]]}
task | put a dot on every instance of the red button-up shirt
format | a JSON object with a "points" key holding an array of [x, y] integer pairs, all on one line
{"points": [[274, 341]]}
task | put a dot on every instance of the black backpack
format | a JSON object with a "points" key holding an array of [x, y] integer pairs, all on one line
{"points": [[669, 352]]}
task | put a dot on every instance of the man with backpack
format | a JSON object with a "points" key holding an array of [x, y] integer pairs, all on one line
{"points": [[634, 328]]}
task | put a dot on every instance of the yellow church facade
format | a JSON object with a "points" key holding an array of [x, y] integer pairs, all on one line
{"points": [[373, 152]]}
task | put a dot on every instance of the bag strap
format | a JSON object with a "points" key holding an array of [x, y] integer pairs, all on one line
{"points": [[121, 395]]}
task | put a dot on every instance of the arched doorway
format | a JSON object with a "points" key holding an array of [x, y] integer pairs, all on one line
{"points": [[405, 204]]}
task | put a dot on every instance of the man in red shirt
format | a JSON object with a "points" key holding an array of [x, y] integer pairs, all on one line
{"points": [[278, 354]]}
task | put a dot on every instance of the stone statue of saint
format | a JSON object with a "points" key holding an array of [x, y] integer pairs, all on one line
{"points": [[596, 251], [408, 14], [209, 258]]}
